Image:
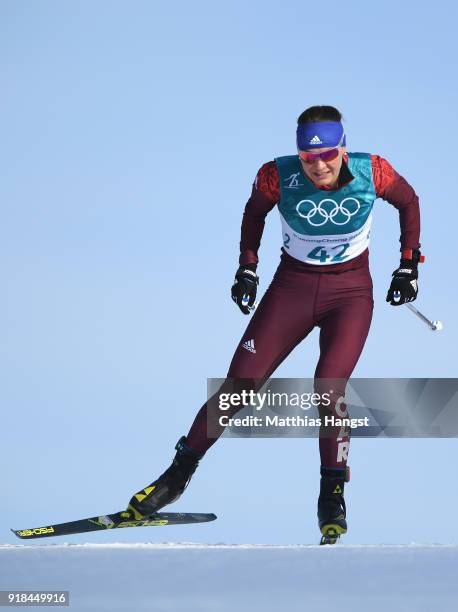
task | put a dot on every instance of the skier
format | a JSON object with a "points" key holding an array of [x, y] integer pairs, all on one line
{"points": [[325, 197]]}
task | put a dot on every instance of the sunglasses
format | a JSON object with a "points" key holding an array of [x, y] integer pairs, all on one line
{"points": [[326, 156]]}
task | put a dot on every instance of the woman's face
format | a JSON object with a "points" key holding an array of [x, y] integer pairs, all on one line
{"points": [[324, 173]]}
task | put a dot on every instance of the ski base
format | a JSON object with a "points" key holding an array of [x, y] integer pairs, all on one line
{"points": [[118, 520]]}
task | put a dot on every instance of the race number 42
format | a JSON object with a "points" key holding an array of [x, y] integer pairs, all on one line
{"points": [[333, 254]]}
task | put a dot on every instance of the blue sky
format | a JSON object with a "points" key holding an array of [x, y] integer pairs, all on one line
{"points": [[131, 135]]}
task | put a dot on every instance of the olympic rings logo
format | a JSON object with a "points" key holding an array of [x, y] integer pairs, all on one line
{"points": [[328, 210]]}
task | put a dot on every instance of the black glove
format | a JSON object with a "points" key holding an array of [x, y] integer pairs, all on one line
{"points": [[404, 287], [244, 289]]}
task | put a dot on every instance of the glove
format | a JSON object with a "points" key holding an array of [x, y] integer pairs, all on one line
{"points": [[244, 289], [404, 287]]}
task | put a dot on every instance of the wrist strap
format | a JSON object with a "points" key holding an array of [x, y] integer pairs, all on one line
{"points": [[413, 255]]}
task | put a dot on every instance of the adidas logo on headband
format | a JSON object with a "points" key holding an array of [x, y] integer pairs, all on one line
{"points": [[315, 140]]}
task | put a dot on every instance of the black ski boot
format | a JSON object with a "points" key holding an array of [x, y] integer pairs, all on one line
{"points": [[331, 504], [168, 487]]}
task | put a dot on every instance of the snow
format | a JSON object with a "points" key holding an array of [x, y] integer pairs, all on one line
{"points": [[228, 577]]}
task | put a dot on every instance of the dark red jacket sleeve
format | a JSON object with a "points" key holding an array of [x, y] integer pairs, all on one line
{"points": [[393, 188], [264, 196]]}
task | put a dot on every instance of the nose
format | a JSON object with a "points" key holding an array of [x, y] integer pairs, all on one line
{"points": [[320, 164]]}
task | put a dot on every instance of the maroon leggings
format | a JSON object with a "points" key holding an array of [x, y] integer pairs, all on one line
{"points": [[297, 300]]}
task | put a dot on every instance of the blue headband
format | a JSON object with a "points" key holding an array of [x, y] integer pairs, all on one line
{"points": [[320, 134]]}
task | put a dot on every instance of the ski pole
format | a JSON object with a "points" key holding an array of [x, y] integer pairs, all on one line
{"points": [[433, 325]]}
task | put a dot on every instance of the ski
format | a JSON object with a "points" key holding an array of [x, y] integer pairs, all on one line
{"points": [[118, 520], [325, 540]]}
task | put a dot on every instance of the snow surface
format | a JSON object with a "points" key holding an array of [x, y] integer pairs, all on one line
{"points": [[223, 577]]}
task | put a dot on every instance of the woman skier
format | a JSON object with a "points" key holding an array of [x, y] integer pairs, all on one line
{"points": [[325, 198]]}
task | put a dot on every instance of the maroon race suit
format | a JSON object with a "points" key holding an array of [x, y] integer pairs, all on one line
{"points": [[337, 298]]}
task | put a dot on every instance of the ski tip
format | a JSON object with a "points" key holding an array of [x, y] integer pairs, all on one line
{"points": [[36, 532]]}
